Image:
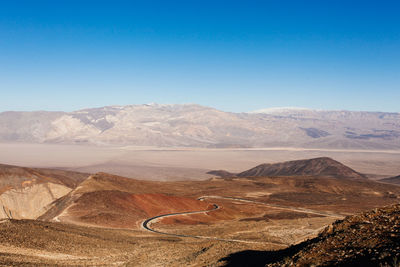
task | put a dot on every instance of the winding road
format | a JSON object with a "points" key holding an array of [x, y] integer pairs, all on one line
{"points": [[147, 223]]}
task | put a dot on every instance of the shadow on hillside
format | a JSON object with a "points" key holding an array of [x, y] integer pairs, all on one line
{"points": [[255, 258]]}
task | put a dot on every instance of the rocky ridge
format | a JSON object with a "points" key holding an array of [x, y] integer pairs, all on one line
{"points": [[368, 239]]}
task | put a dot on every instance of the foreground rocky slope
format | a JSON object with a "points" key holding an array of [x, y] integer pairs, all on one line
{"points": [[38, 243], [313, 167], [368, 239], [199, 126]]}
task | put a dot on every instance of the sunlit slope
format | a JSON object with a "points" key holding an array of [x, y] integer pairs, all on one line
{"points": [[26, 193]]}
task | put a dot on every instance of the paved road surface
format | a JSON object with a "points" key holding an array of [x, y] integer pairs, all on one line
{"points": [[147, 223]]}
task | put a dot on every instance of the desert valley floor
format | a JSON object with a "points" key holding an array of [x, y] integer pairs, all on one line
{"points": [[163, 164]]}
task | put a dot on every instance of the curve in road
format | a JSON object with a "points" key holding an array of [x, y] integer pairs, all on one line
{"points": [[146, 224]]}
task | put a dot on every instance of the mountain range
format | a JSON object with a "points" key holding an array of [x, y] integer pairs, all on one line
{"points": [[191, 125]]}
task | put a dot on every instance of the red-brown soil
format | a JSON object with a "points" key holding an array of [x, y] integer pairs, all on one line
{"points": [[125, 210], [113, 201]]}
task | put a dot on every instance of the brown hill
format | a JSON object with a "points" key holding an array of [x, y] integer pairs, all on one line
{"points": [[369, 239], [114, 201], [323, 166], [392, 180]]}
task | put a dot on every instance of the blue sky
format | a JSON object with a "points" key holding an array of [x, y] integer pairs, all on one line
{"points": [[231, 55]]}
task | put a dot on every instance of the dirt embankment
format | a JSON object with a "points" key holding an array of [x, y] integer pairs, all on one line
{"points": [[26, 193], [31, 201]]}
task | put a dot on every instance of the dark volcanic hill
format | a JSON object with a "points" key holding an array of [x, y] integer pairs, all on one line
{"points": [[323, 166], [369, 239], [392, 180], [311, 167]]}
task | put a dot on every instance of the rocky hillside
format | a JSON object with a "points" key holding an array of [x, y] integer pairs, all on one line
{"points": [[369, 239], [309, 167], [199, 126]]}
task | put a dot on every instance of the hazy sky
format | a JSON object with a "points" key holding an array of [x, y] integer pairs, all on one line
{"points": [[232, 55]]}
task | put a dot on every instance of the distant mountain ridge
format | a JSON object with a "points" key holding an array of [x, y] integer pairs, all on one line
{"points": [[322, 166], [191, 125]]}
